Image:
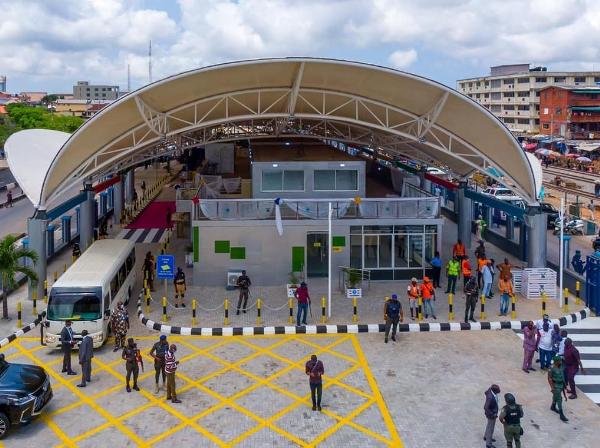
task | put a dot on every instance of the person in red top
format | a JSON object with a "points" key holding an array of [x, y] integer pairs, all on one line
{"points": [[315, 370], [303, 299], [572, 362], [171, 367], [466, 269], [428, 295]]}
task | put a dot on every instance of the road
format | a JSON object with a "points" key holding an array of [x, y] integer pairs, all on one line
{"points": [[14, 220]]}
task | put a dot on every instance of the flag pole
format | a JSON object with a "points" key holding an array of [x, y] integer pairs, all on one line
{"points": [[561, 251], [329, 243]]}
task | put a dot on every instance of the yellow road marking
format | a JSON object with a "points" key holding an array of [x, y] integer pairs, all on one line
{"points": [[397, 443]]}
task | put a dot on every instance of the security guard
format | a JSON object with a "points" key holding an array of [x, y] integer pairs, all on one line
{"points": [[471, 295], [158, 353], [510, 416], [243, 282], [179, 288], [557, 383], [392, 312], [132, 356]]}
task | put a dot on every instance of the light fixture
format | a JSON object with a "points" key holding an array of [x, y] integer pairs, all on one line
{"points": [[342, 165], [287, 143], [275, 165]]}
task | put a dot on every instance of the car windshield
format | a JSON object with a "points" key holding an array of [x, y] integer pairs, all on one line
{"points": [[74, 306]]}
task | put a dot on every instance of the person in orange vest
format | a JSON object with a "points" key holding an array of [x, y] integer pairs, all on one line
{"points": [[413, 295], [466, 270], [506, 292], [428, 294], [459, 251]]}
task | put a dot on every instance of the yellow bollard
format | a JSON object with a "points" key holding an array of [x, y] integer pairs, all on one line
{"points": [[420, 308], [34, 297], [164, 309], [566, 303], [55, 276], [45, 291], [354, 309], [482, 314], [19, 314], [193, 312], [258, 311], [65, 268], [577, 292], [323, 314], [513, 310], [291, 317], [450, 306], [226, 306], [543, 294]]}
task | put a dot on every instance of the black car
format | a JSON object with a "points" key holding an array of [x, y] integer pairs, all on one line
{"points": [[24, 391], [551, 212]]}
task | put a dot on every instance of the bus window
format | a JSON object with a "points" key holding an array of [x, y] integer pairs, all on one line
{"points": [[130, 262], [114, 286], [75, 306], [122, 274]]}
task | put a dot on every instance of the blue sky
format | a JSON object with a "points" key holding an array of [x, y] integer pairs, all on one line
{"points": [[50, 44]]}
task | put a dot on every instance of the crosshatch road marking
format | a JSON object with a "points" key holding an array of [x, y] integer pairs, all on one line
{"points": [[329, 347]]}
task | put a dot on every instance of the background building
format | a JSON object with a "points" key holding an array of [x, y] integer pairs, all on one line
{"points": [[512, 92], [570, 112], [2, 83], [85, 91]]}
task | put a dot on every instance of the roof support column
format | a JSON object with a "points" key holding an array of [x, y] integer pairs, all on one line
{"points": [[536, 238], [117, 200], [37, 227], [88, 215], [465, 213], [130, 186]]}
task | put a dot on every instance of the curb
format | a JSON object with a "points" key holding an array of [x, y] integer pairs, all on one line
{"points": [[26, 329], [343, 329]]}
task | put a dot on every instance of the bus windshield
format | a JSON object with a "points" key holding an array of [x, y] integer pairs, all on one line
{"points": [[74, 306]]}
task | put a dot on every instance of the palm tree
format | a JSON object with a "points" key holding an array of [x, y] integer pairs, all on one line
{"points": [[10, 265]]}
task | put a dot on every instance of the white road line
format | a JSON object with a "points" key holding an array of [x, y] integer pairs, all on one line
{"points": [[587, 379], [136, 235], [122, 234], [150, 235]]}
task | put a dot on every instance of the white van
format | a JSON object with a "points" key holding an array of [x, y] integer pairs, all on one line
{"points": [[90, 289]]}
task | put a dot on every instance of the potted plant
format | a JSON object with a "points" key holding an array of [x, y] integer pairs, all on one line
{"points": [[353, 280]]}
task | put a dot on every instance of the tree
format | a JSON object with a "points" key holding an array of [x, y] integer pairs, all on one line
{"points": [[49, 99], [10, 265]]}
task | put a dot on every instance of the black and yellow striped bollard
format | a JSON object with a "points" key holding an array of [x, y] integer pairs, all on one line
{"points": [[566, 303], [577, 293], [420, 308], [354, 309], [323, 314], [193, 312], [45, 291], [164, 309], [450, 306], [543, 294], [482, 313], [147, 298], [513, 307], [19, 314], [226, 307], [34, 300], [258, 312], [291, 316]]}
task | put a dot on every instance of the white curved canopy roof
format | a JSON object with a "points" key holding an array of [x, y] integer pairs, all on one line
{"points": [[391, 111]]}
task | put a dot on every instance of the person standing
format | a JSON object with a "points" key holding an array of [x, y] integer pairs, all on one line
{"points": [[556, 340], [180, 288], [572, 363], [413, 297], [148, 269], [506, 292], [492, 266], [510, 416], [119, 325], [315, 370], [9, 199], [471, 296], [505, 269], [490, 409], [459, 251], [452, 270], [428, 294], [66, 343], [143, 187], [86, 353], [486, 276], [556, 380], [392, 313], [158, 351], [243, 282], [545, 346], [171, 365], [480, 250], [436, 265], [169, 218], [303, 299], [467, 270], [529, 346], [132, 357]]}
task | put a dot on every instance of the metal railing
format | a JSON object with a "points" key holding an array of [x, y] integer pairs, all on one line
{"points": [[346, 271]]}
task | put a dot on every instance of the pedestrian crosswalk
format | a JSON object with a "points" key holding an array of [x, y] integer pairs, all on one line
{"points": [[143, 235]]}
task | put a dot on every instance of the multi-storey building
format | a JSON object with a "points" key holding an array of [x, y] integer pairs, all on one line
{"points": [[2, 83], [571, 112], [512, 92], [85, 91]]}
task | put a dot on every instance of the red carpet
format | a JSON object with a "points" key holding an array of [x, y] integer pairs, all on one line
{"points": [[154, 216]]}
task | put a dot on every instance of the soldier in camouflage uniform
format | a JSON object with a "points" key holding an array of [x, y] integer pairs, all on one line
{"points": [[557, 387], [119, 322]]}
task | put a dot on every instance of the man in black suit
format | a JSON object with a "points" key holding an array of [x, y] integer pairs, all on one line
{"points": [[66, 342], [86, 353]]}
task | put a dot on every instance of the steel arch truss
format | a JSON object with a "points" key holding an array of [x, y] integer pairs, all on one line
{"points": [[293, 111]]}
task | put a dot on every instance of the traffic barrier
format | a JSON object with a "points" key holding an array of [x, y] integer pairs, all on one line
{"points": [[19, 314], [45, 291], [566, 304], [291, 317], [323, 316], [420, 308], [577, 293], [258, 311], [450, 306], [34, 299], [513, 307], [354, 309], [193, 312], [543, 294], [482, 313], [164, 309], [226, 307]]}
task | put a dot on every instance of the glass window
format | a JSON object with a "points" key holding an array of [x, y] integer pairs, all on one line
{"points": [[75, 306], [523, 121], [400, 242], [385, 251], [356, 251], [409, 229], [430, 246], [560, 79], [540, 79], [370, 249], [356, 230], [523, 80], [579, 78], [122, 274], [293, 180], [496, 95], [496, 83], [324, 180], [378, 229], [114, 286], [415, 250], [272, 180], [346, 180]]}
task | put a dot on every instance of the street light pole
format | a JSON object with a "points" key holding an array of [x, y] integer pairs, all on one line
{"points": [[561, 251], [329, 251]]}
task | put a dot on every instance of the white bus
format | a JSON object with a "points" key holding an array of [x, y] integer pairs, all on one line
{"points": [[90, 289]]}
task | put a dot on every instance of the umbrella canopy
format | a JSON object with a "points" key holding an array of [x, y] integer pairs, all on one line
{"points": [[572, 156], [583, 159], [543, 151], [530, 146]]}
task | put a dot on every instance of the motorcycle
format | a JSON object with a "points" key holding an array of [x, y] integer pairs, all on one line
{"points": [[572, 227]]}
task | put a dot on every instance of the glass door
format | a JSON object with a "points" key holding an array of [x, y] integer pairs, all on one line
{"points": [[316, 254]]}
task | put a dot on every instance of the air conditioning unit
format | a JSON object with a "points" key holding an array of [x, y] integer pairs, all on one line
{"points": [[232, 277]]}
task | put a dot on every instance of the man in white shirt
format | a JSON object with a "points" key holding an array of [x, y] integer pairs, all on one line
{"points": [[561, 345], [545, 346]]}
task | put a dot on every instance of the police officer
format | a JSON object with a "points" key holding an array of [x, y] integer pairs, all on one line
{"points": [[132, 356], [158, 353], [471, 295], [180, 288], [510, 416], [392, 312], [243, 282], [557, 383]]}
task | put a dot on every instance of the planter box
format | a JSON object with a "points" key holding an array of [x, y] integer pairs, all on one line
{"points": [[353, 292]]}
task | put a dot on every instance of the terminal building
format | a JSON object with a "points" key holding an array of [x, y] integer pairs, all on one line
{"points": [[83, 90]]}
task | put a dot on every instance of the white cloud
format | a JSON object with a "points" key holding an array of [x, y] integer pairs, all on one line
{"points": [[403, 59]]}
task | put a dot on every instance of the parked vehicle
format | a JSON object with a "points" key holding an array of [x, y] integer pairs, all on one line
{"points": [[502, 193], [551, 214], [24, 391], [572, 227]]}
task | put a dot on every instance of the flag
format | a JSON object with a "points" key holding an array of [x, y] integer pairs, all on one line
{"points": [[278, 222]]}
